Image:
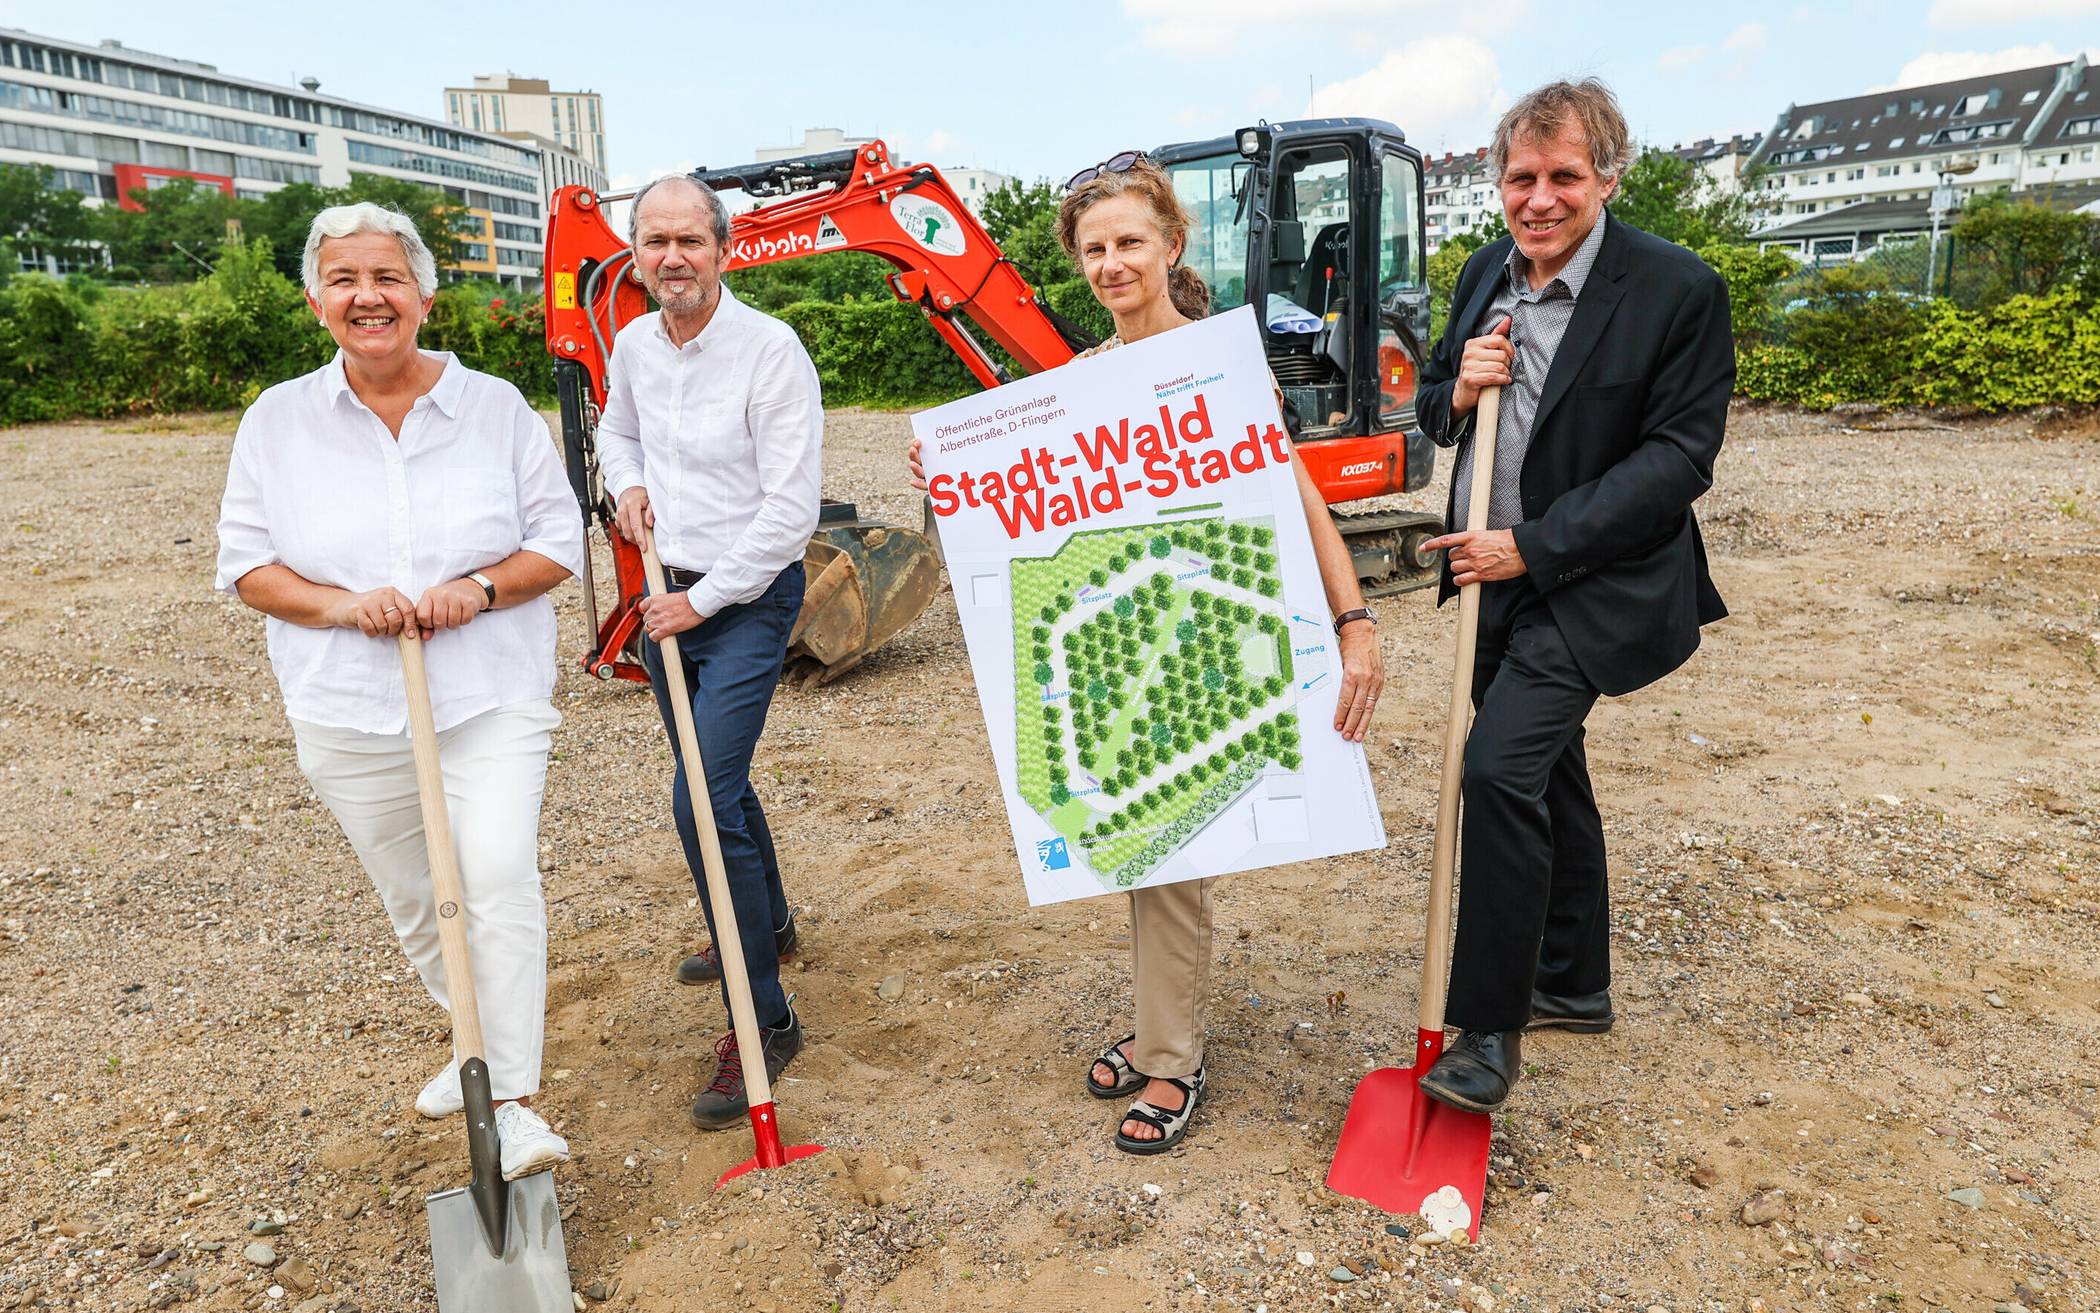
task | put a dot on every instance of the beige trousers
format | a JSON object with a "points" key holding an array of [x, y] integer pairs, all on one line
{"points": [[1170, 975]]}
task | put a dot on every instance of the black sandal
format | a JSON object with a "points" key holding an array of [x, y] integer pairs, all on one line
{"points": [[1172, 1125], [1128, 1078]]}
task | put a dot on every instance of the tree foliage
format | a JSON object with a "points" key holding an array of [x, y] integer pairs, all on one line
{"points": [[1676, 200], [38, 215], [176, 231], [2019, 248]]}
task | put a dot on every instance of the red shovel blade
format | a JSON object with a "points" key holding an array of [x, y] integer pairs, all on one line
{"points": [[1399, 1147], [765, 1131]]}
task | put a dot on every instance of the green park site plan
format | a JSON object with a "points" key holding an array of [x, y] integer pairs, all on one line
{"points": [[1153, 685]]}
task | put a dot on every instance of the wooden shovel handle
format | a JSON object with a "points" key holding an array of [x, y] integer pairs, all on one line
{"points": [[1436, 952], [444, 855], [728, 944]]}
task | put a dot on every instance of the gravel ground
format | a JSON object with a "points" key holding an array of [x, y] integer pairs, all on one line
{"points": [[1854, 854]]}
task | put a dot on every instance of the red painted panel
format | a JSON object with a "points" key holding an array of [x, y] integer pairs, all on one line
{"points": [[130, 177]]}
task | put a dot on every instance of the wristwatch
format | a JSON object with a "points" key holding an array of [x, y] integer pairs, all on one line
{"points": [[1360, 613], [488, 585]]}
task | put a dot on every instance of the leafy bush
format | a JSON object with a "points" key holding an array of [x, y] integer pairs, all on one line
{"points": [[877, 353], [1751, 275], [78, 348]]}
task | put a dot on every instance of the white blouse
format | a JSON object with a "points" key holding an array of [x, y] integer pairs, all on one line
{"points": [[317, 484]]}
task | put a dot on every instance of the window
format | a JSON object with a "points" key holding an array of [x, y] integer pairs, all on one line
{"points": [[474, 112], [452, 107], [365, 152], [245, 166], [2080, 128], [1830, 177], [108, 109], [1217, 247], [164, 157], [516, 232], [1896, 143], [2030, 97], [1854, 175]]}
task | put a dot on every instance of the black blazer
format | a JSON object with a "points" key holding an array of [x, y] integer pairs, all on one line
{"points": [[1627, 430]]}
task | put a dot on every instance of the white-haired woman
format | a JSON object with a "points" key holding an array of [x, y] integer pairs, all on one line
{"points": [[396, 487]]}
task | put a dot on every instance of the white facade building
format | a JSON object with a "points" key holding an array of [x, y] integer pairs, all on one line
{"points": [[2025, 129], [1459, 196], [110, 119], [513, 106]]}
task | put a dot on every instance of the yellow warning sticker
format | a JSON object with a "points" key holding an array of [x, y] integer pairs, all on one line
{"points": [[564, 291]]}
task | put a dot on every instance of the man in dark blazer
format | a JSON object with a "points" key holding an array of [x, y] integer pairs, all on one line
{"points": [[1613, 352]]}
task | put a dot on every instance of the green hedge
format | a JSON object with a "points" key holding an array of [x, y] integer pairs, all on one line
{"points": [[2025, 351], [877, 353], [76, 348]]}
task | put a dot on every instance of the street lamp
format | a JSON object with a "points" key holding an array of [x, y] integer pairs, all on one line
{"points": [[1942, 201]]}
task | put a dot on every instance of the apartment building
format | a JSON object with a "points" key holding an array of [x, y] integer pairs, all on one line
{"points": [[2023, 130], [1459, 196], [110, 119], [529, 107]]}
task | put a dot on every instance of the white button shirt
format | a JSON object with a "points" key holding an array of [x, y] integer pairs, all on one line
{"points": [[727, 435], [317, 483]]}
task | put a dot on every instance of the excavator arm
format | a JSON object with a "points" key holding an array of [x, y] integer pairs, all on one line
{"points": [[866, 581]]}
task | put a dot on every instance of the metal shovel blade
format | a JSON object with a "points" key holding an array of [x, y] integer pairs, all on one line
{"points": [[532, 1273], [1401, 1150]]}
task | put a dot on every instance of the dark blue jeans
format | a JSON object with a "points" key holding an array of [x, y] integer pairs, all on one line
{"points": [[732, 663]]}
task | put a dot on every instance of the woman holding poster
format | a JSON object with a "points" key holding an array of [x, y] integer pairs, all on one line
{"points": [[1123, 224]]}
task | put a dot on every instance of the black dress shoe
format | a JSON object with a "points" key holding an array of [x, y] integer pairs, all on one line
{"points": [[1584, 1014], [706, 965], [1477, 1072]]}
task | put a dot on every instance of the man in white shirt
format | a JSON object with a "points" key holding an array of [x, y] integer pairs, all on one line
{"points": [[712, 437]]}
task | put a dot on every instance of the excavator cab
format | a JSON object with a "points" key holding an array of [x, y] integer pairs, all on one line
{"points": [[1318, 224]]}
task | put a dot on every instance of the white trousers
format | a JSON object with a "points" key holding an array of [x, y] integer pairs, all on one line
{"points": [[495, 768]]}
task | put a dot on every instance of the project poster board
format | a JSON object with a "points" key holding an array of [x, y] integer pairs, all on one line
{"points": [[1144, 616]]}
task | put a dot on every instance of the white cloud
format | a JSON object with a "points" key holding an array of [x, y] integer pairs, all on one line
{"points": [[1745, 43], [1954, 65], [1440, 89], [1211, 27], [1679, 59], [1746, 40], [1992, 13]]}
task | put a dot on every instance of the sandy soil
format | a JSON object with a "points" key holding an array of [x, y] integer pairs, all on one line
{"points": [[1854, 857]]}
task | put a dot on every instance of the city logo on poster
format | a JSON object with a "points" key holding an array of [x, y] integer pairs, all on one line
{"points": [[929, 223], [1053, 854]]}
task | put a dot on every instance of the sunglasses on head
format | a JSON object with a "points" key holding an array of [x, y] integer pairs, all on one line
{"points": [[1113, 164]]}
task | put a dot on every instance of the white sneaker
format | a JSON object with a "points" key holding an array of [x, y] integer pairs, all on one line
{"points": [[441, 1097], [529, 1144]]}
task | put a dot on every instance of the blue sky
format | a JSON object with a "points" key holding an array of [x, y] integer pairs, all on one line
{"points": [[1043, 90]]}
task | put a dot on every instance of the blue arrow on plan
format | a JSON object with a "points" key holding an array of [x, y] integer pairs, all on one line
{"points": [[1314, 680], [1303, 621]]}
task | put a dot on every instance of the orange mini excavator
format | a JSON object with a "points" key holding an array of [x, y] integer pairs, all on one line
{"points": [[1318, 223]]}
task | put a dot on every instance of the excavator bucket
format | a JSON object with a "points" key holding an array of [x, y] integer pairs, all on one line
{"points": [[865, 582]]}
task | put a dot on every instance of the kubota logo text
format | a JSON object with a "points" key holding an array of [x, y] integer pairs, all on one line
{"points": [[769, 248]]}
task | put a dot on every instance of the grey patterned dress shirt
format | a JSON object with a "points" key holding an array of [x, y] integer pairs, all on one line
{"points": [[1538, 321]]}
